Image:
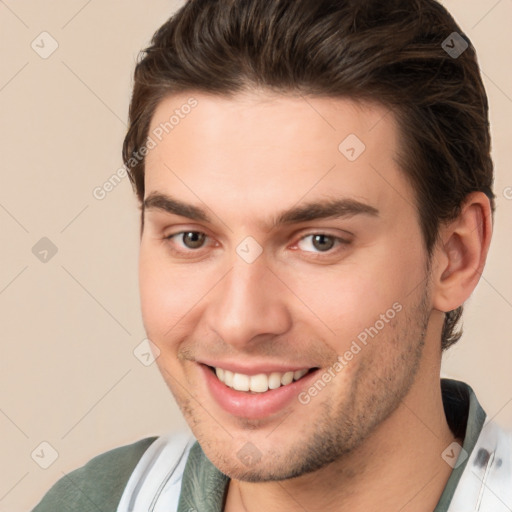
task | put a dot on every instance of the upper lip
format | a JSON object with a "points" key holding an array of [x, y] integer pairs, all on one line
{"points": [[255, 368]]}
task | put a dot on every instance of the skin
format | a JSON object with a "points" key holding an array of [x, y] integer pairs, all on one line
{"points": [[380, 421]]}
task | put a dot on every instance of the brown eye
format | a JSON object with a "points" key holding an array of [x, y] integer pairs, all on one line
{"points": [[188, 244], [192, 239], [323, 242], [318, 242]]}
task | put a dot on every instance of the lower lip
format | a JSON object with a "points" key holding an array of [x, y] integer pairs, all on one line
{"points": [[254, 405]]}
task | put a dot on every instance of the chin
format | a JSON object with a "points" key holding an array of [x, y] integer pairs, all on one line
{"points": [[248, 464]]}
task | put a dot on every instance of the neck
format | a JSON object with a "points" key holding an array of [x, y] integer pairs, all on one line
{"points": [[398, 467]]}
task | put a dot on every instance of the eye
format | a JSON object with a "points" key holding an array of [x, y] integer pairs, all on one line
{"points": [[320, 242], [192, 240], [187, 242]]}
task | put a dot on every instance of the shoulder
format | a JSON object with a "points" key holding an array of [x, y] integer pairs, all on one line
{"points": [[99, 484], [486, 482]]}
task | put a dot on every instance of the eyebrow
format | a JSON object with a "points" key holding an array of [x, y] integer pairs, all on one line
{"points": [[324, 209]]}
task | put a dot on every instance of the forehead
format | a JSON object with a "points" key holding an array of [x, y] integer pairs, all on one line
{"points": [[261, 115], [264, 149]]}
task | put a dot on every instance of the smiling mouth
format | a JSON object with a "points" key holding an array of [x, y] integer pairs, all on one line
{"points": [[260, 383]]}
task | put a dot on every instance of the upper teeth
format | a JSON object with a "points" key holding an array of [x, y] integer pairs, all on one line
{"points": [[258, 383]]}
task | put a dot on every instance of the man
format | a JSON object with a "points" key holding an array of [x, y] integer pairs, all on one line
{"points": [[316, 202]]}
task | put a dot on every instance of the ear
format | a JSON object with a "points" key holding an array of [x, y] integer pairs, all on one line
{"points": [[459, 257]]}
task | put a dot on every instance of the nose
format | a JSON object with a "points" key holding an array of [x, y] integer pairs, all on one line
{"points": [[248, 303]]}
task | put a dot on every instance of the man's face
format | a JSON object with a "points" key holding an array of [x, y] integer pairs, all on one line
{"points": [[248, 290]]}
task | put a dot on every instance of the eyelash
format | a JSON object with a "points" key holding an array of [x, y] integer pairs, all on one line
{"points": [[341, 243]]}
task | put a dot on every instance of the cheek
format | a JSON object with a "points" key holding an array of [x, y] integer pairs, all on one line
{"points": [[362, 297], [172, 296], [161, 294]]}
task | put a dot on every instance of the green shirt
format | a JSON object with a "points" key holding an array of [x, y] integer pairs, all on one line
{"points": [[98, 486]]}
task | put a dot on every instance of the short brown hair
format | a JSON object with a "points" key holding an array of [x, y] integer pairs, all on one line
{"points": [[393, 52]]}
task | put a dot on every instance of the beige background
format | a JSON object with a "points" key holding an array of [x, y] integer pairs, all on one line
{"points": [[68, 374]]}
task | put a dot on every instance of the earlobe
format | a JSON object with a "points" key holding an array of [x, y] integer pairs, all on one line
{"points": [[461, 253]]}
